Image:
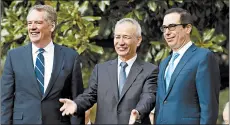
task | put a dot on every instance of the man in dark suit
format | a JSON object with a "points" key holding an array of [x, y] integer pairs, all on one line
{"points": [[189, 79], [124, 88], [35, 76]]}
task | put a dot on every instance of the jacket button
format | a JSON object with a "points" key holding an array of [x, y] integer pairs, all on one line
{"points": [[118, 111]]}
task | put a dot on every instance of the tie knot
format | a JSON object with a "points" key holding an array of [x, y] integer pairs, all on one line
{"points": [[174, 56], [123, 64], [41, 50]]}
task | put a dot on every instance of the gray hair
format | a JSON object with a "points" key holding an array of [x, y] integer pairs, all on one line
{"points": [[133, 21], [50, 13]]}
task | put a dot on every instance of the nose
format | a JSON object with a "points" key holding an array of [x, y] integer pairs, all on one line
{"points": [[167, 31], [32, 26]]}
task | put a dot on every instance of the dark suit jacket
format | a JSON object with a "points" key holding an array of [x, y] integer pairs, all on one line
{"points": [[193, 93], [21, 98], [138, 92]]}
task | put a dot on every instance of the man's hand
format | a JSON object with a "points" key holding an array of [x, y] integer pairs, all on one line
{"points": [[69, 107], [133, 116]]}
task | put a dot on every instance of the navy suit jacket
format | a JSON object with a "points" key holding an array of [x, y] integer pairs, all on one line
{"points": [[138, 92], [21, 99], [193, 93]]}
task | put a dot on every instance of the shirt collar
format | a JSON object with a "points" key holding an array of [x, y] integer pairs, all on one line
{"points": [[184, 48], [129, 62], [48, 48]]}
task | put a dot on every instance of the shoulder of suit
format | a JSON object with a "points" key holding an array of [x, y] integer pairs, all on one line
{"points": [[67, 50], [18, 49]]}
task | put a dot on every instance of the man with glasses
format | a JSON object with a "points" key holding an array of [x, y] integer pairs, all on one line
{"points": [[189, 79], [124, 88]]}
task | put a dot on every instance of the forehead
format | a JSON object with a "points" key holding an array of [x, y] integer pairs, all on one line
{"points": [[35, 15], [172, 18], [125, 28]]}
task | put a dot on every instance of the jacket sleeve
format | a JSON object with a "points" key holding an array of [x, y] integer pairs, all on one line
{"points": [[208, 86], [7, 91], [77, 89]]}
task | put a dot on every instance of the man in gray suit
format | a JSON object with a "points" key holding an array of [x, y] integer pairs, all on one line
{"points": [[35, 76], [124, 88]]}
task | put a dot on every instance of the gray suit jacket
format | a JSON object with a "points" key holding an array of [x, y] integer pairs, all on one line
{"points": [[138, 92], [21, 98]]}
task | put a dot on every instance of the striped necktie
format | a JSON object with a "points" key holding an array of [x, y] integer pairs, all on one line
{"points": [[40, 69]]}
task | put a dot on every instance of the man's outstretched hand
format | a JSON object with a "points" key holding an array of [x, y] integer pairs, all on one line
{"points": [[69, 107]]}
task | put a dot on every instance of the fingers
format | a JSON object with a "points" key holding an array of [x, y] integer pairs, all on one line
{"points": [[63, 100], [68, 108], [133, 116]]}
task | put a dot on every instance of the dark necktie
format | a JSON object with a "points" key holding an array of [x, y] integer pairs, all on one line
{"points": [[40, 69], [122, 76], [171, 68]]}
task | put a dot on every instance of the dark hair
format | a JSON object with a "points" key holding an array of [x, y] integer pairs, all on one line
{"points": [[185, 16]]}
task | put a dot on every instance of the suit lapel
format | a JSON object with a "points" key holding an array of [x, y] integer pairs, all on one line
{"points": [[28, 57], [187, 55], [112, 69], [57, 66], [134, 71], [162, 76]]}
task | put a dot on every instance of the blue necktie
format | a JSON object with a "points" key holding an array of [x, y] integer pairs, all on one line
{"points": [[122, 76], [40, 69], [170, 70]]}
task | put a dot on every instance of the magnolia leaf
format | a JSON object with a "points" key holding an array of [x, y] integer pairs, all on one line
{"points": [[83, 7], [207, 34], [94, 33], [159, 55], [216, 48], [152, 5], [91, 18], [96, 49], [101, 5], [195, 35], [138, 15], [129, 15], [219, 38], [81, 49]]}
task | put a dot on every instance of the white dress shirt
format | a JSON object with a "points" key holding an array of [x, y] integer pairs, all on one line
{"points": [[181, 53], [48, 61], [127, 69]]}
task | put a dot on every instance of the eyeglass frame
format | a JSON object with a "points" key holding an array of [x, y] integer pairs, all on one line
{"points": [[171, 27]]}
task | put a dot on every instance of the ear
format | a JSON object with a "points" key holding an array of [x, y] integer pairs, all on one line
{"points": [[52, 27], [189, 28], [139, 39]]}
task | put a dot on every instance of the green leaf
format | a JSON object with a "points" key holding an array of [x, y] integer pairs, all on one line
{"points": [[81, 49], [152, 5], [129, 15], [195, 35], [91, 18], [83, 7], [96, 49], [101, 5], [219, 38], [166, 53], [159, 55], [208, 34], [94, 33], [179, 1], [64, 27], [171, 3], [216, 48], [138, 15]]}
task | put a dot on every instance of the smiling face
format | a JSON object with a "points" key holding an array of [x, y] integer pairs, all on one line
{"points": [[39, 29], [126, 40], [177, 38]]}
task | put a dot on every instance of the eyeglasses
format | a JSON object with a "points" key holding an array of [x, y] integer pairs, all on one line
{"points": [[171, 27]]}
